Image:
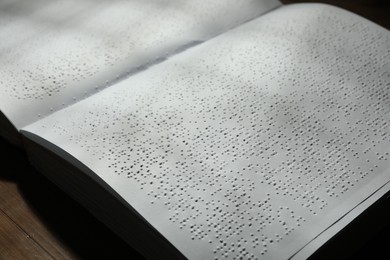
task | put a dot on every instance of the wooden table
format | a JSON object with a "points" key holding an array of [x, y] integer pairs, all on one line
{"points": [[39, 221]]}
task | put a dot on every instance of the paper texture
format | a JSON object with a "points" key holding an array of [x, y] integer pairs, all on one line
{"points": [[55, 53], [248, 145]]}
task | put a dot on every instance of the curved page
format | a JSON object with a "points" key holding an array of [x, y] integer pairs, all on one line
{"points": [[54, 53], [249, 145]]}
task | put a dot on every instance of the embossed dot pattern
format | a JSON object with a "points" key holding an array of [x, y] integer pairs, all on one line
{"points": [[50, 48], [69, 41], [252, 138]]}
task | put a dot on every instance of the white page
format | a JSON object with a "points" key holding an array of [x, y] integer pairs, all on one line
{"points": [[54, 53], [251, 144]]}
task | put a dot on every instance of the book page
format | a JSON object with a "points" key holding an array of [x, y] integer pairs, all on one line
{"points": [[249, 145], [54, 53]]}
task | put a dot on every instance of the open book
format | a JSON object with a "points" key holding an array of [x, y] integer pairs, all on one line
{"points": [[202, 129]]}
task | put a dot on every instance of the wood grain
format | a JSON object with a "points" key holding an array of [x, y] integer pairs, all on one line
{"points": [[15, 206], [52, 221], [15, 243]]}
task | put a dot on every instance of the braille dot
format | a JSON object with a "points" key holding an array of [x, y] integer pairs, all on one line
{"points": [[226, 141]]}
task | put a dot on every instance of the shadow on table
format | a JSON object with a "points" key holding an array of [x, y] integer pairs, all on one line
{"points": [[69, 222]]}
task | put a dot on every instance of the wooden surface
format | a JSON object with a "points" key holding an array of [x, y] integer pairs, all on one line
{"points": [[38, 221]]}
